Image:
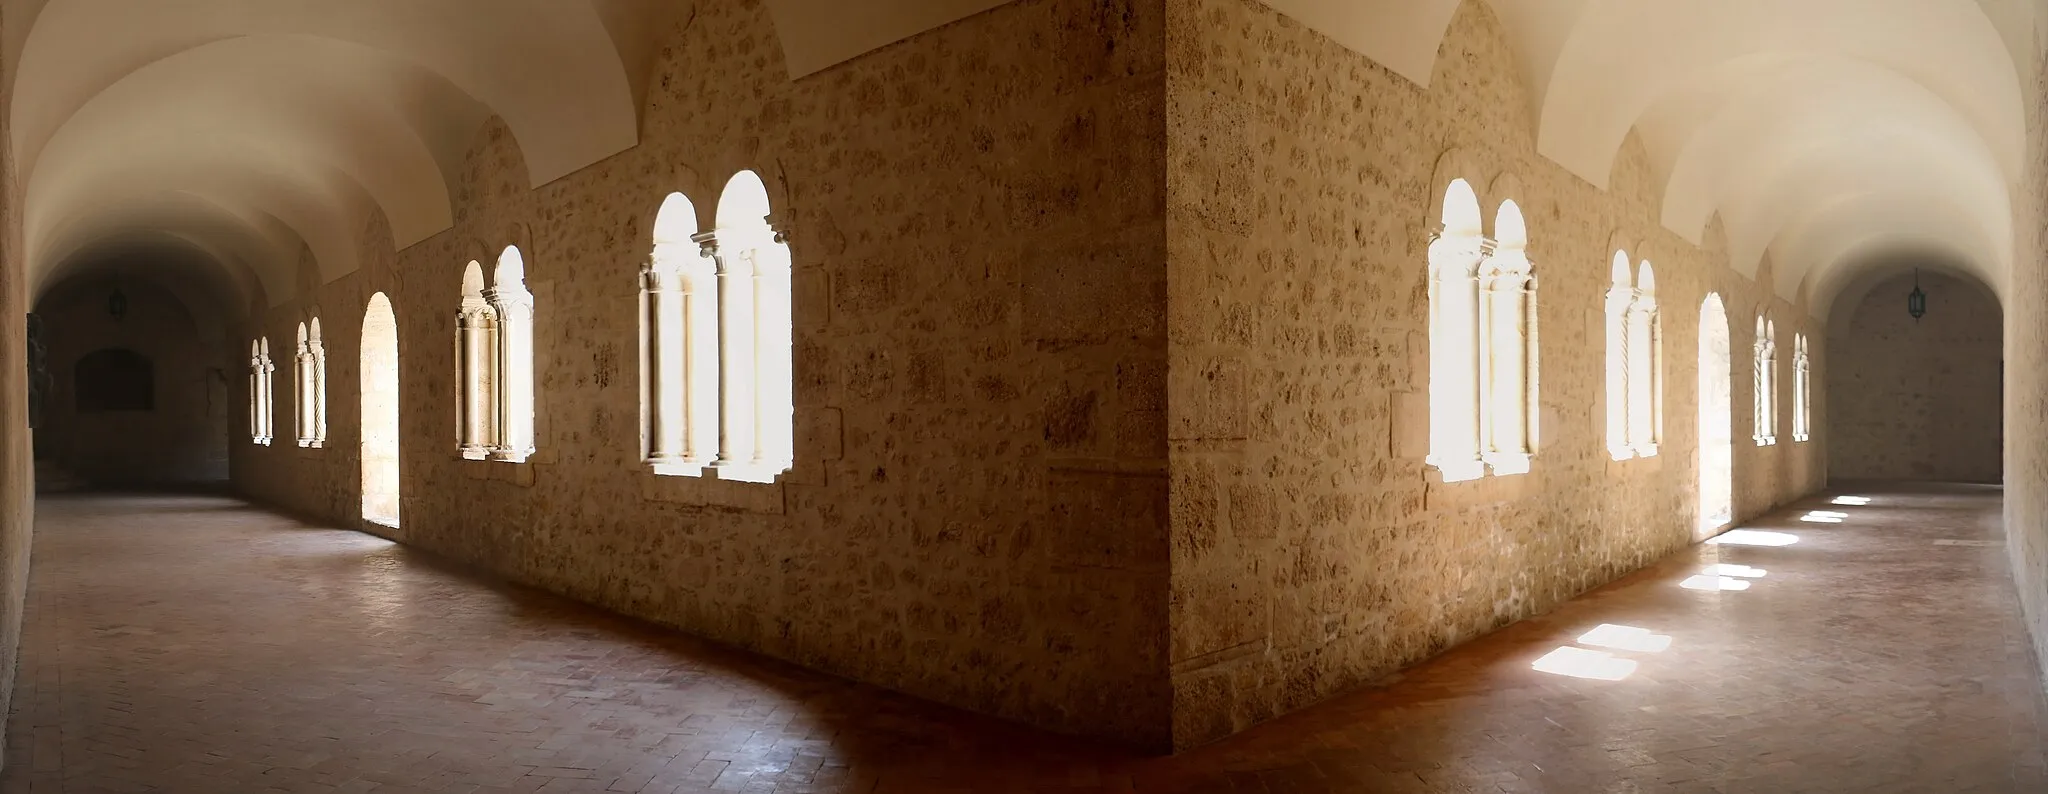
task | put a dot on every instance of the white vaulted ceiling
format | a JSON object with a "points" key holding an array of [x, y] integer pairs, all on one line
{"points": [[1821, 132], [1826, 133], [249, 128]]}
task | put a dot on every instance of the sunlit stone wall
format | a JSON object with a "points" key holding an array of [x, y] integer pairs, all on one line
{"points": [[977, 513], [1312, 548]]}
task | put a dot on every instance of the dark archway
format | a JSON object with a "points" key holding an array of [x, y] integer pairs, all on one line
{"points": [[114, 379]]}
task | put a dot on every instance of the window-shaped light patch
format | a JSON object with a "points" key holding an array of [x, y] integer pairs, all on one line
{"points": [[1583, 663], [1625, 638], [1713, 583], [1730, 569], [1753, 537], [1824, 517], [1852, 501]]}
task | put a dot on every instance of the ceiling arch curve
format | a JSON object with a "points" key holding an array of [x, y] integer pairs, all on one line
{"points": [[235, 240], [1735, 133], [1785, 119], [548, 67], [1949, 46], [312, 114]]}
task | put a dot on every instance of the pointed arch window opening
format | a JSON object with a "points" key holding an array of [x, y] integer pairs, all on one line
{"points": [[1483, 341]]}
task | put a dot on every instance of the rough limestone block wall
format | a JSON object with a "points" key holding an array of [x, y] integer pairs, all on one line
{"points": [[184, 438], [17, 473], [978, 511], [2026, 383], [1312, 550], [1919, 400]]}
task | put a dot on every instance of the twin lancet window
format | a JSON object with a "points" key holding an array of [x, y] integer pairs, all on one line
{"points": [[1802, 391], [1482, 341], [1766, 382], [494, 362], [1635, 361], [310, 368], [715, 341], [260, 402]]}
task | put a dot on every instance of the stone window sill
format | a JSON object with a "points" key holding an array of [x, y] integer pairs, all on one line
{"points": [[703, 486], [520, 473]]}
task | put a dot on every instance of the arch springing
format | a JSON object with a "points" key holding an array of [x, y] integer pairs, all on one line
{"points": [[1482, 301], [310, 383], [1766, 382]]}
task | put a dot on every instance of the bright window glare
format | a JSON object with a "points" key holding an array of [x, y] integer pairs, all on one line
{"points": [[1828, 513], [1753, 537], [1707, 582], [1728, 569], [1625, 638], [1816, 518], [1582, 663], [1854, 501]]}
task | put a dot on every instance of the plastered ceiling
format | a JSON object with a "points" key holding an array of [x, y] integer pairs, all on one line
{"points": [[1823, 133], [1826, 134], [253, 129]]}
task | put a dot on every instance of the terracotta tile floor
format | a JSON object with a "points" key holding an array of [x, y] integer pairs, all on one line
{"points": [[200, 645]]}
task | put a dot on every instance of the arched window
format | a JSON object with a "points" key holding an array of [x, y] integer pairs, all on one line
{"points": [[114, 379], [1645, 366], [494, 362], [757, 438], [679, 344], [377, 371], [1482, 375], [1802, 391], [260, 403], [319, 346], [1454, 258], [514, 305], [1621, 296], [309, 368], [1508, 317], [1766, 382], [476, 362]]}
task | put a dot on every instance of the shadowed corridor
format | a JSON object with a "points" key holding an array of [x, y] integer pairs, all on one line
{"points": [[199, 644]]}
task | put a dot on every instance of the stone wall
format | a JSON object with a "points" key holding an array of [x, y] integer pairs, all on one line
{"points": [[1918, 399], [17, 473], [184, 437], [2026, 382], [1312, 548], [977, 513]]}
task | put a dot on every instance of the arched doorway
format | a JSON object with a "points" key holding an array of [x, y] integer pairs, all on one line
{"points": [[1717, 423], [380, 413]]}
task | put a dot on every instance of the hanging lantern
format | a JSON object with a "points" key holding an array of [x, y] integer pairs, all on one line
{"points": [[1916, 302], [117, 304]]}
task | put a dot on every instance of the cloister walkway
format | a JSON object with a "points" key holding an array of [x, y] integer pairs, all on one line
{"points": [[198, 644]]}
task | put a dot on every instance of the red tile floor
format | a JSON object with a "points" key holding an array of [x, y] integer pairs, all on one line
{"points": [[196, 644]]}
